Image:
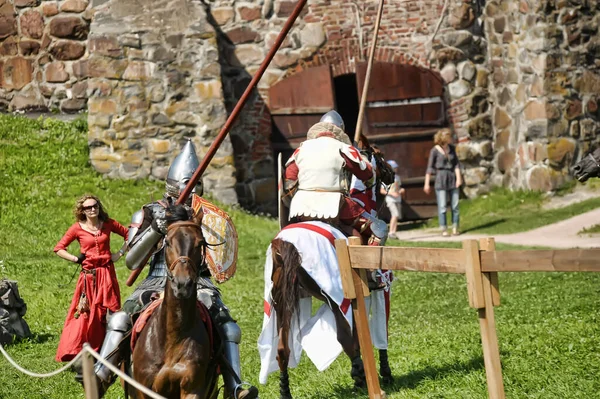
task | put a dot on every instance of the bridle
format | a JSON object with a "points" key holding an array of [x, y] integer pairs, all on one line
{"points": [[183, 259], [595, 160]]}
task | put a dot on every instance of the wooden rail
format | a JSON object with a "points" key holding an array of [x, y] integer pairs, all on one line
{"points": [[479, 262]]}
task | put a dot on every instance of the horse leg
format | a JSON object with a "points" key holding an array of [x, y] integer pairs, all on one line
{"points": [[349, 342], [283, 356], [384, 367]]}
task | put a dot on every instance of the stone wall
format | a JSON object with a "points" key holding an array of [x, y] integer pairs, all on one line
{"points": [[544, 88], [339, 33], [154, 82], [521, 78], [41, 43]]}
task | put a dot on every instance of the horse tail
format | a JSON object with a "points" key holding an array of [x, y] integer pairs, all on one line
{"points": [[286, 289]]}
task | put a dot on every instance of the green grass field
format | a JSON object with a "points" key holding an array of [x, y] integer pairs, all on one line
{"points": [[548, 329]]}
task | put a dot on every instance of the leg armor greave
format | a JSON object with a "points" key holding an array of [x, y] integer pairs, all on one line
{"points": [[231, 334], [118, 325]]}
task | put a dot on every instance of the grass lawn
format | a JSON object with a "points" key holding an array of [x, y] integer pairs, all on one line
{"points": [[548, 328], [504, 212]]}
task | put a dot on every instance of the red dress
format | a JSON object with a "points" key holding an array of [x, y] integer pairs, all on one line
{"points": [[99, 282]]}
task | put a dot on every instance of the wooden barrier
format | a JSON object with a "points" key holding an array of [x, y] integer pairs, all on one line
{"points": [[479, 263]]}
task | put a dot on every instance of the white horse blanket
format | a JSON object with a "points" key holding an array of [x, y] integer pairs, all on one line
{"points": [[317, 335]]}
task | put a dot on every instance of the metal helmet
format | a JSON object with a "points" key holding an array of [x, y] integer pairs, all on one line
{"points": [[181, 171], [334, 118]]}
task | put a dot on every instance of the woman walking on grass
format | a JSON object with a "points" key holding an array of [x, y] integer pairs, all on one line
{"points": [[444, 163], [97, 288]]}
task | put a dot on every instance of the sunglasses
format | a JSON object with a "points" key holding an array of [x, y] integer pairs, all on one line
{"points": [[88, 208]]}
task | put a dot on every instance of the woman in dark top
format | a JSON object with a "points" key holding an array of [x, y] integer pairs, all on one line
{"points": [[443, 162]]}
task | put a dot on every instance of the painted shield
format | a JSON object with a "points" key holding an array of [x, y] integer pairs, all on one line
{"points": [[283, 210], [220, 233]]}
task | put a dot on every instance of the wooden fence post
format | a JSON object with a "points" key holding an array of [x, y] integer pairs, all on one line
{"points": [[361, 319], [90, 385], [487, 324], [489, 244]]}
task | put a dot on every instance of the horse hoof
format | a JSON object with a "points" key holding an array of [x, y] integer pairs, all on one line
{"points": [[360, 384]]}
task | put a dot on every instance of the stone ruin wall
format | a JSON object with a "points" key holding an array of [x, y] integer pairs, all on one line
{"points": [[521, 78], [544, 65], [41, 45]]}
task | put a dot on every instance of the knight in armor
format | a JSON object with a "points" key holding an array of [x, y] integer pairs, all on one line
{"points": [[148, 226], [318, 176]]}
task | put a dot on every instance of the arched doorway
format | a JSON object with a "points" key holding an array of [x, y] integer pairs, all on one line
{"points": [[405, 108]]}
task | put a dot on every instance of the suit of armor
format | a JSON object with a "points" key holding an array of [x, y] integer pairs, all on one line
{"points": [[147, 227]]}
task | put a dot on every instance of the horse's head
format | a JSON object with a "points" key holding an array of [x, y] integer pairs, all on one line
{"points": [[185, 250], [589, 166]]}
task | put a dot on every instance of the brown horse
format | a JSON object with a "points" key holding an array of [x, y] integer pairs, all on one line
{"points": [[589, 166], [173, 355], [290, 282]]}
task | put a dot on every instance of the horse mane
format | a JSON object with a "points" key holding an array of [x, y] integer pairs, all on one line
{"points": [[177, 213]]}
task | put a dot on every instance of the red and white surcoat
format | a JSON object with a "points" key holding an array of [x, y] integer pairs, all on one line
{"points": [[320, 165]]}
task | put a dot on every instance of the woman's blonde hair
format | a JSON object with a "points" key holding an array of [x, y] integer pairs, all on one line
{"points": [[80, 214], [443, 137]]}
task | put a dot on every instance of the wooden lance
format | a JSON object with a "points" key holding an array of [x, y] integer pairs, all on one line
{"points": [[363, 98], [212, 150]]}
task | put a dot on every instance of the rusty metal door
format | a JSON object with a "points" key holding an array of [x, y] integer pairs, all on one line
{"points": [[297, 103], [405, 108]]}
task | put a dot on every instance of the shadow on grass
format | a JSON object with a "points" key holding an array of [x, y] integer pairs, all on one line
{"points": [[410, 380], [414, 378], [484, 226]]}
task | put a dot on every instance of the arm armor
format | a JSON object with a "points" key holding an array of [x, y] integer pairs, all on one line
{"points": [[145, 239], [138, 254]]}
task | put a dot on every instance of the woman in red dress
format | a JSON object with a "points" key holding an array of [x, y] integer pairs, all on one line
{"points": [[97, 288]]}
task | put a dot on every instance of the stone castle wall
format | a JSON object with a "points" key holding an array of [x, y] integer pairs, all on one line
{"points": [[41, 45], [520, 76]]}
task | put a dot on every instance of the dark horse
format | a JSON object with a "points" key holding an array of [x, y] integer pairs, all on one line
{"points": [[173, 355], [290, 282], [589, 166]]}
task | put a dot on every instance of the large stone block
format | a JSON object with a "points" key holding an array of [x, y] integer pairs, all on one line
{"points": [[69, 28], [32, 24], [9, 47], [139, 71], [477, 175], [535, 110], [16, 73], [105, 45], [223, 15], [29, 47], [101, 67], [248, 12], [65, 50], [26, 3], [312, 35], [501, 119], [538, 179], [56, 73], [8, 22], [242, 34], [211, 89], [561, 152], [74, 6]]}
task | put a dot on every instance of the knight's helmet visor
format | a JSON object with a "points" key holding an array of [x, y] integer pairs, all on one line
{"points": [[334, 118], [181, 171]]}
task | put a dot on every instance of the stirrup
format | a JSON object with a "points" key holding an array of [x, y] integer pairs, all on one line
{"points": [[252, 391]]}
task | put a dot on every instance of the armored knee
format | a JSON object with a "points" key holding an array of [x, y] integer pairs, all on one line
{"points": [[119, 321], [231, 332]]}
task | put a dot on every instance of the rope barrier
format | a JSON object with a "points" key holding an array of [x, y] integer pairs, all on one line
{"points": [[88, 349], [37, 375], [122, 375]]}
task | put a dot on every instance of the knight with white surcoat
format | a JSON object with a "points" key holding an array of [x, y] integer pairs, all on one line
{"points": [[318, 176]]}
